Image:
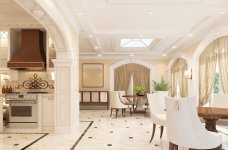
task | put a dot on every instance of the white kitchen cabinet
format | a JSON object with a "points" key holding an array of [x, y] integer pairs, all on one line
{"points": [[48, 112], [12, 74]]}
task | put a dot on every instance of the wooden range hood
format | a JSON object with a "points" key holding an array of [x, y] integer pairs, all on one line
{"points": [[31, 54]]}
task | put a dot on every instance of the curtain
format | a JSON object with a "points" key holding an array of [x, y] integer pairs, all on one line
{"points": [[141, 76], [223, 62], [207, 69], [177, 74], [122, 78]]}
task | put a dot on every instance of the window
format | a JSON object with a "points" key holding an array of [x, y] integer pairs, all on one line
{"points": [[134, 43], [217, 84]]}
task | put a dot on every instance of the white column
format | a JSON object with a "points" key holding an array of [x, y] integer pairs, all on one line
{"points": [[66, 96]]}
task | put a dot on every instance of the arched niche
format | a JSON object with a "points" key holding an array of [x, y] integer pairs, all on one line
{"points": [[214, 34], [127, 61], [189, 63]]}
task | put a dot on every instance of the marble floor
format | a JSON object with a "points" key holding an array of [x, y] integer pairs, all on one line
{"points": [[97, 131]]}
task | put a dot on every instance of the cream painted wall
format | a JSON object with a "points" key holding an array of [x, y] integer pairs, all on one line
{"points": [[190, 50], [160, 70]]}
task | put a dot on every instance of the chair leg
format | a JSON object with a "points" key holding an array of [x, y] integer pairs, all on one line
{"points": [[117, 112], [161, 133], [154, 128], [111, 113], [173, 146], [122, 111]]}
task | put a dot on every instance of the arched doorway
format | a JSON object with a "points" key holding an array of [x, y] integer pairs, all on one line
{"points": [[128, 61]]}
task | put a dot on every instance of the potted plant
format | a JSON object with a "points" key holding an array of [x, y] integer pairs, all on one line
{"points": [[161, 86], [140, 90]]}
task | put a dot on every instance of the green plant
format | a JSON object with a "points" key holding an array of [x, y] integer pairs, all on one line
{"points": [[161, 86], [139, 89]]}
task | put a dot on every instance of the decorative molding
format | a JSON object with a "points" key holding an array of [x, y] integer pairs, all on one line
{"points": [[35, 83], [20, 25]]}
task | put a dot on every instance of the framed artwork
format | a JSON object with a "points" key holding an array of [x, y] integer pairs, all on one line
{"points": [[92, 75]]}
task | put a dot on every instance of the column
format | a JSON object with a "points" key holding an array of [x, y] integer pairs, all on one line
{"points": [[66, 96]]}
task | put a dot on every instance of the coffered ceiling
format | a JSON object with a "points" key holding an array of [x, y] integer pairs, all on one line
{"points": [[172, 24]]}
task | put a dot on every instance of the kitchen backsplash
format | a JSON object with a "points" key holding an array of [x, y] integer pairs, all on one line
{"points": [[25, 75]]}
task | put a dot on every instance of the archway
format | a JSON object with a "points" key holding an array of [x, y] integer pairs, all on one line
{"points": [[66, 42], [214, 34], [127, 61], [189, 63]]}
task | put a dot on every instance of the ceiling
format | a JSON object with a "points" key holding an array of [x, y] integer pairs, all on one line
{"points": [[172, 24]]}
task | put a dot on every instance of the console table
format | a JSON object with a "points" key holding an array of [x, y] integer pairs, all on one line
{"points": [[94, 99]]}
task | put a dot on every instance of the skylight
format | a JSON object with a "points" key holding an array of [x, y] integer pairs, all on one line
{"points": [[135, 42]]}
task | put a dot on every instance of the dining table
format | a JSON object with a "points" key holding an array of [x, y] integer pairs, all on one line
{"points": [[137, 100], [211, 115]]}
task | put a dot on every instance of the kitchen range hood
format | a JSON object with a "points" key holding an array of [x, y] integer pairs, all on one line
{"points": [[31, 54]]}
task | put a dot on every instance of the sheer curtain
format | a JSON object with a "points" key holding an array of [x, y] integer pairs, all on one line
{"points": [[177, 74], [223, 62], [207, 69]]}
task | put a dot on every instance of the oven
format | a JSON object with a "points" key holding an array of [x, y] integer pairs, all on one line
{"points": [[23, 110]]}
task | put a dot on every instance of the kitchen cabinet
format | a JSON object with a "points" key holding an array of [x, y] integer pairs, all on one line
{"points": [[12, 74], [51, 53], [48, 112], [4, 48]]}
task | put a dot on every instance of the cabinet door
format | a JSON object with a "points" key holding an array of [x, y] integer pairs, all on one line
{"points": [[48, 111]]}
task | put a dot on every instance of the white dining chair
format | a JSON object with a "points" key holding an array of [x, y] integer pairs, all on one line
{"points": [[116, 104], [157, 114], [220, 100], [184, 127]]}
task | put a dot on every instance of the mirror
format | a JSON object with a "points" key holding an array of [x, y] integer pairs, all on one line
{"points": [[92, 75]]}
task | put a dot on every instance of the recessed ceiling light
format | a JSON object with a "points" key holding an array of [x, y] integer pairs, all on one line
{"points": [[222, 12], [150, 13], [174, 47], [99, 55], [96, 47], [90, 36], [190, 35], [80, 13], [164, 54], [132, 55]]}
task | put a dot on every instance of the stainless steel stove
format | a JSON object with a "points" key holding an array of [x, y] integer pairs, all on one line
{"points": [[23, 110]]}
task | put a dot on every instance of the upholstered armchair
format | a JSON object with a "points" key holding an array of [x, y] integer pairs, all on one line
{"points": [[116, 104], [220, 100], [157, 114], [184, 127]]}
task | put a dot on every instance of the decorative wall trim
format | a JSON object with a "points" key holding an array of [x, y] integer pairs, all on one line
{"points": [[35, 83]]}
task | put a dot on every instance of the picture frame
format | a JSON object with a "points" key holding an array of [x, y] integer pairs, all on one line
{"points": [[92, 75]]}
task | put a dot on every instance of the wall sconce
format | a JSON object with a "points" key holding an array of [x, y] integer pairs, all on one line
{"points": [[188, 74]]}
